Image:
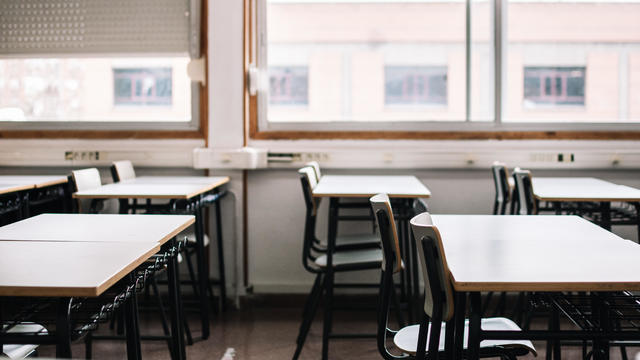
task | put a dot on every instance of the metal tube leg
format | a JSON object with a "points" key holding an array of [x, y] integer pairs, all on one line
{"points": [[423, 333], [459, 315], [605, 212], [134, 351], [474, 327], [328, 315], [63, 328], [223, 282], [174, 303], [203, 273], [309, 314]]}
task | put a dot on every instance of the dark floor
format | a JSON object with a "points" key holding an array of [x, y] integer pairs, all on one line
{"points": [[266, 329]]}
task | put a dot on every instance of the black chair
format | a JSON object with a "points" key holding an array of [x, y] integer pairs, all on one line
{"points": [[413, 341], [503, 189], [524, 202], [353, 254]]}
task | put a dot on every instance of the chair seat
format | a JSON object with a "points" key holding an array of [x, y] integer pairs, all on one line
{"points": [[407, 338], [358, 239], [363, 257], [21, 351]]}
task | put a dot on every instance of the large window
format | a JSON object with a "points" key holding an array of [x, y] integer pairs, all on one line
{"points": [[482, 65], [74, 65]]}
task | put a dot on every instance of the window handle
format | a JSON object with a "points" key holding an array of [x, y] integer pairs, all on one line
{"points": [[254, 79]]}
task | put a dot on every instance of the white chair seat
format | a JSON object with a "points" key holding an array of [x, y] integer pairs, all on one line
{"points": [[21, 351], [407, 338], [357, 239], [352, 257]]}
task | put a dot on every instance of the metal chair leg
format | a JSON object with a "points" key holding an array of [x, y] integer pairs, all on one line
{"points": [[309, 313]]}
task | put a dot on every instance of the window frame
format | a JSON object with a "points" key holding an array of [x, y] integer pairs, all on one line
{"points": [[257, 128], [196, 128]]}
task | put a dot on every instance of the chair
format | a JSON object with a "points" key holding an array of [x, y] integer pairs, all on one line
{"points": [[122, 170], [87, 179], [503, 189], [350, 256], [416, 339], [524, 201], [22, 351]]}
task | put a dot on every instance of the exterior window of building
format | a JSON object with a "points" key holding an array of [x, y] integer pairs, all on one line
{"points": [[142, 86], [554, 86], [415, 85], [288, 85]]}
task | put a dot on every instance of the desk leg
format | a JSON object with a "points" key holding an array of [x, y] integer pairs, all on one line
{"points": [[223, 282], [63, 328], [474, 327], [203, 272], [134, 352], [177, 346], [459, 317], [328, 299], [605, 212]]}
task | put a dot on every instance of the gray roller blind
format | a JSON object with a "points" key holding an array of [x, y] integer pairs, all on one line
{"points": [[36, 27]]}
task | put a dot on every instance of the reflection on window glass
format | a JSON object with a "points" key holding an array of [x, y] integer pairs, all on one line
{"points": [[86, 89], [152, 86], [415, 85], [562, 86], [288, 85]]}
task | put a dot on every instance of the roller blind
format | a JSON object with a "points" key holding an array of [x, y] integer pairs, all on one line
{"points": [[39, 27]]}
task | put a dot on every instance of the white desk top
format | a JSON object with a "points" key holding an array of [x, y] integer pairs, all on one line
{"points": [[97, 228], [213, 181], [369, 185], [581, 189], [536, 253], [133, 190], [67, 268], [37, 181]]}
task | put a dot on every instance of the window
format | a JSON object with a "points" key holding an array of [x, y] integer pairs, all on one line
{"points": [[142, 86], [288, 85], [424, 65], [415, 85], [73, 65], [553, 86]]}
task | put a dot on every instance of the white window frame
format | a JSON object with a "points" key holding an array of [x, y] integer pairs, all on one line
{"points": [[499, 30]]}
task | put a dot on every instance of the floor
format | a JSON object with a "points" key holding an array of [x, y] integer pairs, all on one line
{"points": [[266, 329]]}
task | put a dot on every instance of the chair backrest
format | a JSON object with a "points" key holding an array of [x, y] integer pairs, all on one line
{"points": [[86, 179], [503, 191], [316, 168], [122, 170], [523, 193], [388, 233], [308, 181], [392, 262], [438, 299]]}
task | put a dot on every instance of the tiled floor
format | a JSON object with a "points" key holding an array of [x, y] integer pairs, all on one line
{"points": [[264, 330]]}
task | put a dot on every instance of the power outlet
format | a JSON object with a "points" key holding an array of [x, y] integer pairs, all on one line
{"points": [[81, 155]]}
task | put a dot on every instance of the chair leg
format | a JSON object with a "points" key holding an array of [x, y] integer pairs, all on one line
{"points": [[309, 314], [328, 314], [163, 316], [88, 346], [192, 273]]}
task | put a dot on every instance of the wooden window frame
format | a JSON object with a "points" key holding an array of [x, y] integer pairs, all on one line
{"points": [[200, 133], [252, 131]]}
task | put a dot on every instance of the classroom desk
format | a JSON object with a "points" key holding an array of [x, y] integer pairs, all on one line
{"points": [[99, 230], [186, 194], [541, 253], [70, 269], [557, 190], [22, 192], [402, 189]]}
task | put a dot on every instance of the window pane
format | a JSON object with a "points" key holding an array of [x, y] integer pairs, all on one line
{"points": [[95, 89], [585, 56], [383, 60]]}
